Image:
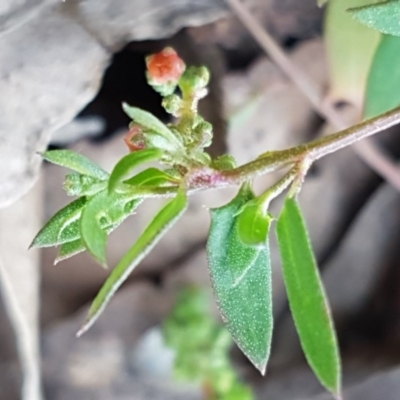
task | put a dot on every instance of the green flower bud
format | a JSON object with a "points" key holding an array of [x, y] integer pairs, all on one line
{"points": [[194, 79], [172, 104], [204, 130]]}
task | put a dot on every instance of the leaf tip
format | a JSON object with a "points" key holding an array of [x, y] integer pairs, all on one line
{"points": [[101, 259], [262, 368], [104, 265], [337, 394], [81, 331], [125, 107], [87, 324], [58, 259]]}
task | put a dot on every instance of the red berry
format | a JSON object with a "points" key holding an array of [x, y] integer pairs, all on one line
{"points": [[165, 66]]}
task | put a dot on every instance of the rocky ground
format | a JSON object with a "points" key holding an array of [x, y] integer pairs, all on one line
{"points": [[64, 70]]}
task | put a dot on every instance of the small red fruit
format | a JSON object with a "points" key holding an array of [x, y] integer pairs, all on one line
{"points": [[165, 66]]}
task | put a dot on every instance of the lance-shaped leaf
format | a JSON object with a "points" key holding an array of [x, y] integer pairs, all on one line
{"points": [[152, 124], [161, 223], [241, 279], [70, 249], [70, 231], [93, 237], [82, 185], [383, 77], [100, 212], [307, 299], [75, 162], [127, 164], [52, 234], [152, 177], [383, 17]]}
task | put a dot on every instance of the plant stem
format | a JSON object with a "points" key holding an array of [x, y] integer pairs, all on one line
{"points": [[314, 150], [328, 144], [276, 189], [273, 160]]}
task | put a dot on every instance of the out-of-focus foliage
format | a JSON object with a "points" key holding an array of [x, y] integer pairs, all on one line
{"points": [[202, 347]]}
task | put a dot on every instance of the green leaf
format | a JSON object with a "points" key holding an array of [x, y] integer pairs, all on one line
{"points": [[152, 177], [161, 223], [152, 124], [238, 391], [82, 185], [128, 163], [384, 16], [350, 48], [93, 237], [70, 249], [201, 346], [71, 231], [102, 211], [253, 223], [307, 299], [384, 78], [57, 229], [224, 162], [75, 162], [241, 279]]}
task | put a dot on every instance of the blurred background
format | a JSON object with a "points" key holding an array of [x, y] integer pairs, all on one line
{"points": [[65, 69]]}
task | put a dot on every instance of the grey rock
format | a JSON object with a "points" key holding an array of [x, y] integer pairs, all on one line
{"points": [[296, 380], [14, 13], [10, 366], [19, 283], [100, 365], [76, 129], [151, 356], [368, 250], [153, 363], [384, 385], [267, 112], [289, 383], [49, 69], [121, 21]]}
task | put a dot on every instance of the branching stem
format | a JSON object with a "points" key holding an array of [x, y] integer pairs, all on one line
{"points": [[273, 160], [314, 150]]}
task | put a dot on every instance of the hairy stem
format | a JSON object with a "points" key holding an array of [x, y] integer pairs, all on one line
{"points": [[278, 188], [205, 178], [328, 144], [314, 150]]}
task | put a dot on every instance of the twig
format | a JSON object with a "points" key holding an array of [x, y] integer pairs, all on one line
{"points": [[367, 150], [316, 149]]}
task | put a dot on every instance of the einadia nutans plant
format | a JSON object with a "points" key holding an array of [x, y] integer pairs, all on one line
{"points": [[237, 247]]}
